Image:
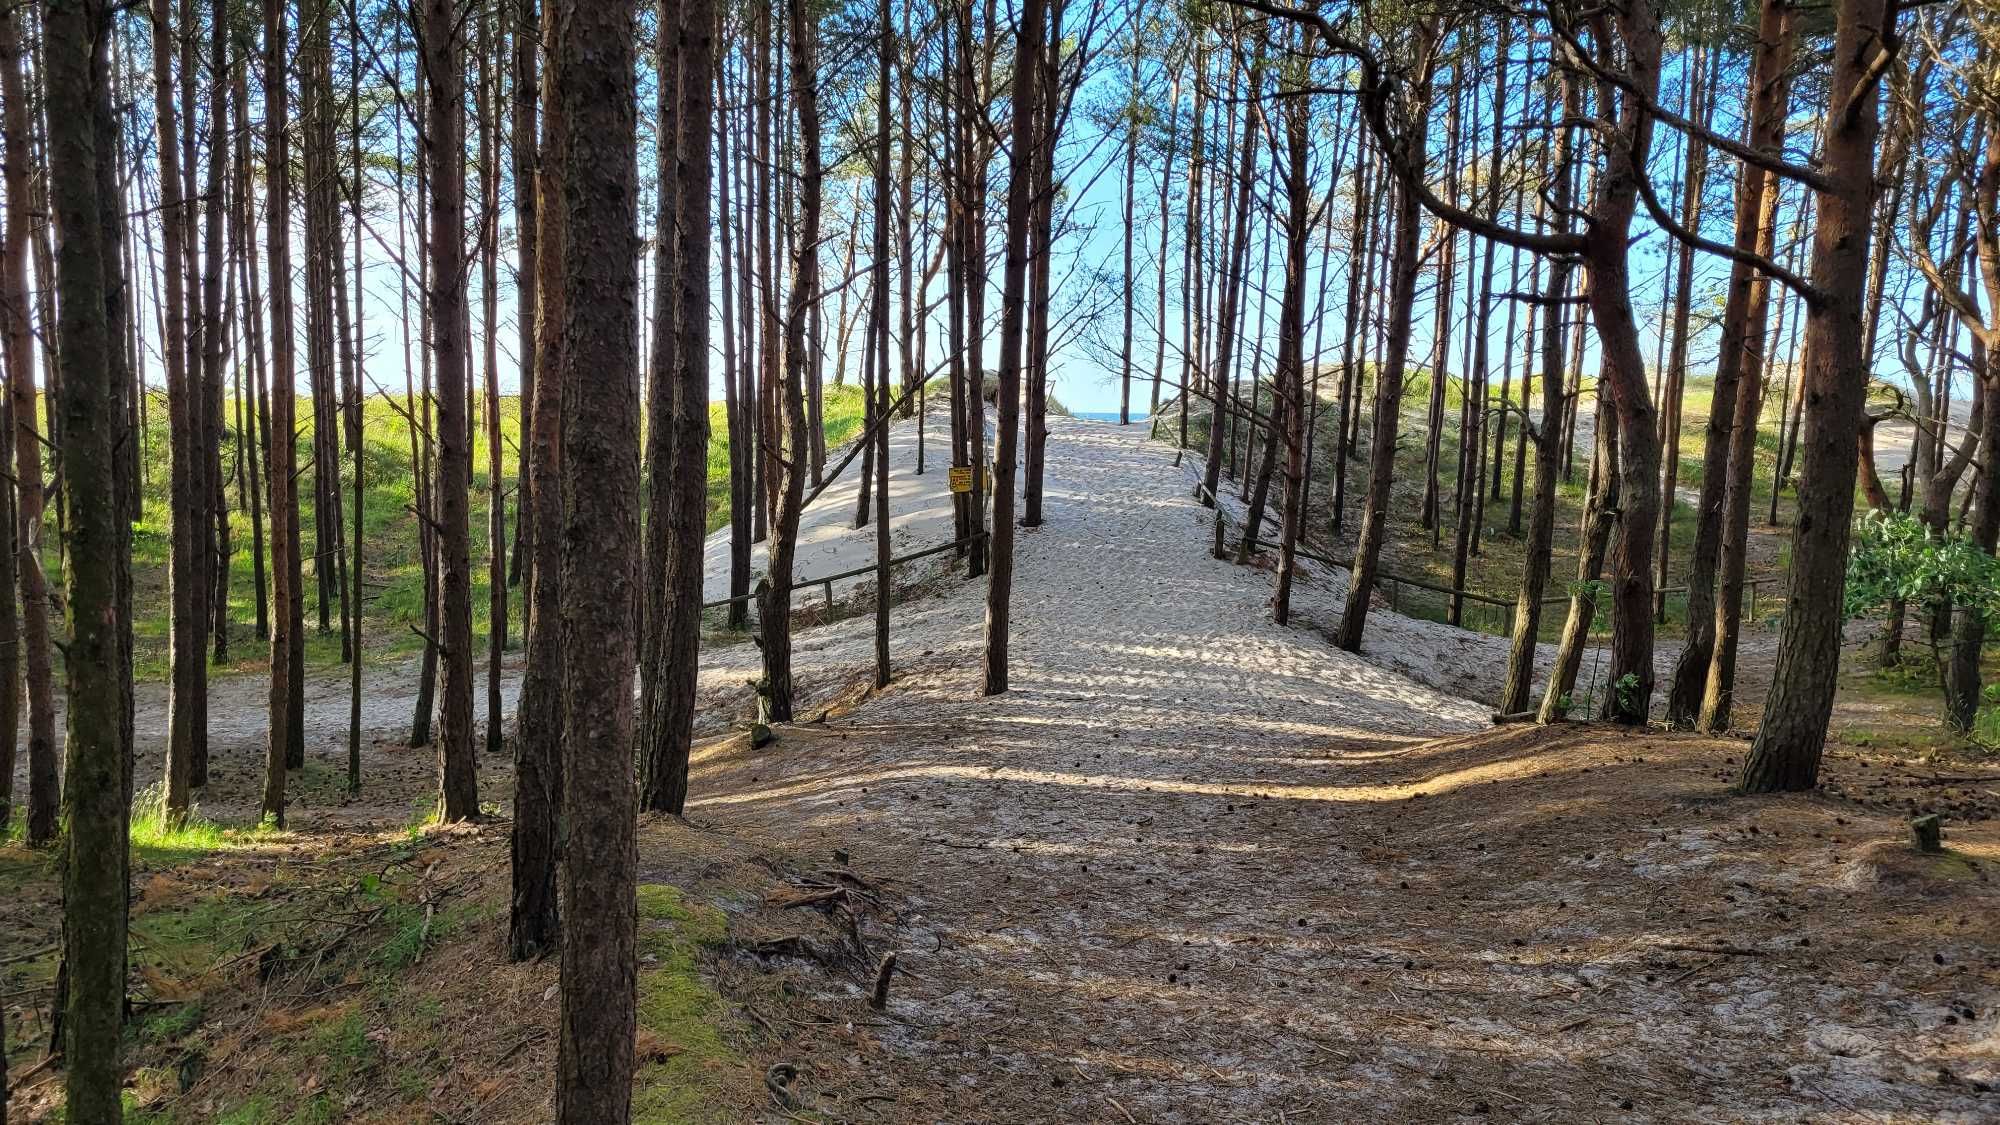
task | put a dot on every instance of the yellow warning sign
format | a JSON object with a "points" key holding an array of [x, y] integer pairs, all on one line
{"points": [[961, 478]]}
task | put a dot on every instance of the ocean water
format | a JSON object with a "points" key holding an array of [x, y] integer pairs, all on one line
{"points": [[1101, 415]]}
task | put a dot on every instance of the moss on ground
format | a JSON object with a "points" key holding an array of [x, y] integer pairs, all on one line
{"points": [[683, 1021]]}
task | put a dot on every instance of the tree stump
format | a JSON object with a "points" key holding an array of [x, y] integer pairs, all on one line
{"points": [[1927, 832]]}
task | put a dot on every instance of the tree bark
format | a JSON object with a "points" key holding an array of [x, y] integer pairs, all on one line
{"points": [[1790, 738], [1968, 630], [1769, 101], [879, 319], [594, 83], [1291, 376], [678, 492], [1023, 155], [95, 797], [287, 698], [533, 928], [444, 78], [1225, 328], [189, 679], [24, 442], [1387, 417], [1598, 516], [1720, 684], [1538, 548], [789, 462]]}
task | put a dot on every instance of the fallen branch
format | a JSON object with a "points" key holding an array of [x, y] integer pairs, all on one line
{"points": [[1723, 950]]}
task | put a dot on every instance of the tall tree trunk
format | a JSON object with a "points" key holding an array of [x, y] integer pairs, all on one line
{"points": [[1166, 234], [533, 923], [680, 352], [1769, 98], [354, 352], [423, 435], [1701, 90], [1193, 293], [489, 282], [189, 680], [1130, 230], [737, 409], [215, 339], [1537, 550], [1022, 157], [1786, 753], [16, 360], [594, 82], [1353, 335], [44, 774], [879, 321], [95, 797], [1720, 685], [1607, 262], [1404, 266], [789, 465], [1226, 335], [1430, 514], [287, 699], [1041, 261], [444, 78], [524, 152], [1290, 374], [1472, 433], [255, 411]]}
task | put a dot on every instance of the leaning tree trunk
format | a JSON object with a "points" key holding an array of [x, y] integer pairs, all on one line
{"points": [[1790, 738], [1598, 516], [1387, 417]]}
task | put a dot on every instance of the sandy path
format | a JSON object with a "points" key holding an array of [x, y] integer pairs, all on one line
{"points": [[1186, 870]]}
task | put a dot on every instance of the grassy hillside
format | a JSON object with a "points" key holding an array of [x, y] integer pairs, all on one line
{"points": [[390, 551], [1495, 571]]}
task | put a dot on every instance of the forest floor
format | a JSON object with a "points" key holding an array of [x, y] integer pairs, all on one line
{"points": [[1192, 867]]}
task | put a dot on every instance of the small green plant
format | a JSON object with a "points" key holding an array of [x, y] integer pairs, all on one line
{"points": [[1985, 732], [1897, 557], [156, 839], [1625, 690], [171, 1024], [1589, 589]]}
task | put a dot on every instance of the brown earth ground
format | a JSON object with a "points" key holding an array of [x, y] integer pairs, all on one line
{"points": [[1181, 873]]}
